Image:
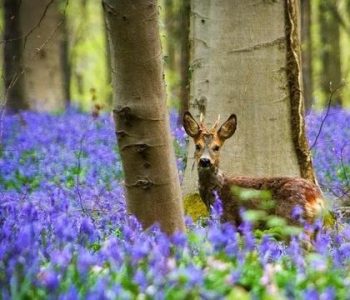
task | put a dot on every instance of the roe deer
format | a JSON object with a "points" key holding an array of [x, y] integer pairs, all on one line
{"points": [[286, 192]]}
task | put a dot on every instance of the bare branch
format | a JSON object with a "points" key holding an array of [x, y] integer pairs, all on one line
{"points": [[332, 92]]}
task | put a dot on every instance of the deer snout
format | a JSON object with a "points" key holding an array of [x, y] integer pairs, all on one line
{"points": [[204, 162]]}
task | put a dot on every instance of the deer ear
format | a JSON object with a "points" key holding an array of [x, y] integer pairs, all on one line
{"points": [[190, 125], [228, 128]]}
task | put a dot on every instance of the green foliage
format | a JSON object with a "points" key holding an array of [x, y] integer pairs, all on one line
{"points": [[246, 194], [88, 54]]}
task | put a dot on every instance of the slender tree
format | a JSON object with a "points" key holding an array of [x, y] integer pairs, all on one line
{"points": [[246, 60], [140, 114], [13, 72], [171, 24], [185, 56], [306, 52], [330, 51], [65, 61]]}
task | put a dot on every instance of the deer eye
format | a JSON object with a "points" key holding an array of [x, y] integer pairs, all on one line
{"points": [[216, 148], [198, 147]]}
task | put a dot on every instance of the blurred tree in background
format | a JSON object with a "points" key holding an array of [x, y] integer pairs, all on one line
{"points": [[330, 42], [305, 15], [62, 51], [42, 54], [84, 75], [330, 52], [13, 79]]}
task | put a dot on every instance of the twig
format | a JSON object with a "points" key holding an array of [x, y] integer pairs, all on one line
{"points": [[327, 113]]}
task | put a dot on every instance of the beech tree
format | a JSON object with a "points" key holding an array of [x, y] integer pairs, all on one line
{"points": [[140, 113], [246, 60]]}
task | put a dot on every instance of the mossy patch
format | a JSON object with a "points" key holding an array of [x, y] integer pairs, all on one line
{"points": [[329, 220], [194, 206]]}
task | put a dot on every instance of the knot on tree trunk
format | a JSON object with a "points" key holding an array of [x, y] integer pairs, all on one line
{"points": [[143, 183]]}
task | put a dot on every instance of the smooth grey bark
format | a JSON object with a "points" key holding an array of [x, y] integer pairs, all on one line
{"points": [[246, 60], [152, 185]]}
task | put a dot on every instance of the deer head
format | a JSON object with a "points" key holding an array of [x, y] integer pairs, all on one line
{"points": [[208, 143]]}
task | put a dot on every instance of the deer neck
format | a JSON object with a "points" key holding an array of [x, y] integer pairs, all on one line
{"points": [[210, 180]]}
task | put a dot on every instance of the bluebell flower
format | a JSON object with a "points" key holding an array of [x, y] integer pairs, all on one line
{"points": [[71, 294], [216, 208], [329, 294], [141, 280], [296, 253], [217, 237], [87, 230], [297, 213], [61, 257], [49, 279], [140, 249], [86, 260], [112, 250], [322, 243], [179, 239], [269, 250], [63, 210], [246, 229], [311, 294]]}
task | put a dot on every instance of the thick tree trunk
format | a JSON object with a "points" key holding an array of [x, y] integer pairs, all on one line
{"points": [[246, 60], [44, 76], [142, 124], [13, 71]]}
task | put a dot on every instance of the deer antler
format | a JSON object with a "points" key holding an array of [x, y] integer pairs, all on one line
{"points": [[201, 122], [216, 123]]}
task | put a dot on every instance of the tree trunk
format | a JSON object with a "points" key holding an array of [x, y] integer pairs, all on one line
{"points": [[170, 26], [13, 72], [66, 64], [142, 125], [185, 56], [330, 52], [44, 76], [306, 52], [246, 60]]}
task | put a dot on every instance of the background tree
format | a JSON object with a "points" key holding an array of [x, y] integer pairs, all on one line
{"points": [[42, 54], [306, 53], [185, 56], [65, 60], [140, 114], [88, 54], [13, 71], [330, 51], [176, 16], [256, 76]]}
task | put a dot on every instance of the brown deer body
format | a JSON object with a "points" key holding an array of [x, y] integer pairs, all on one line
{"points": [[285, 192]]}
